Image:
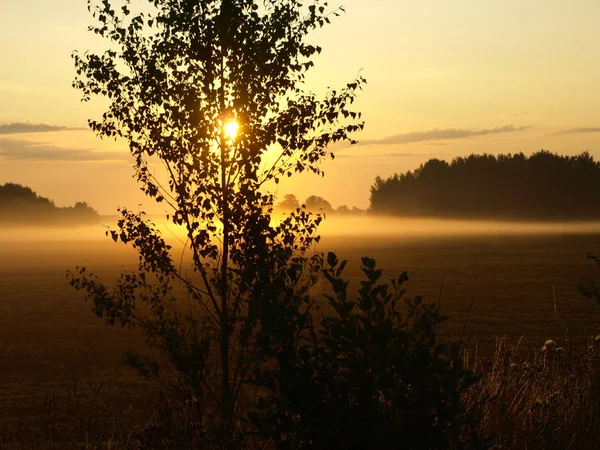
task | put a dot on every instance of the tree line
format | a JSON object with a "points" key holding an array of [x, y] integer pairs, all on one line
{"points": [[510, 186], [314, 203], [20, 204]]}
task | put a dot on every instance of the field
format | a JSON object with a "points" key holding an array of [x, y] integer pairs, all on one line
{"points": [[56, 358], [523, 287]]}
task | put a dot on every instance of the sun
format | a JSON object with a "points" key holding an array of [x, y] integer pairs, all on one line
{"points": [[231, 129]]}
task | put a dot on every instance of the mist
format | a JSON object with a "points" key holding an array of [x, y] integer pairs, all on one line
{"points": [[390, 226], [364, 226]]}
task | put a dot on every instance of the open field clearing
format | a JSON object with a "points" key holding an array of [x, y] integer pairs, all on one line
{"points": [[57, 358], [520, 285]]}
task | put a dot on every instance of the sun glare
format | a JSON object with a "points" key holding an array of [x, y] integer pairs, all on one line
{"points": [[231, 129]]}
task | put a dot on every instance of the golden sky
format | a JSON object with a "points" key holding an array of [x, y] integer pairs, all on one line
{"points": [[445, 78]]}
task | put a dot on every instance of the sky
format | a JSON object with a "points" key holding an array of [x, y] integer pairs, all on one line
{"points": [[445, 79]]}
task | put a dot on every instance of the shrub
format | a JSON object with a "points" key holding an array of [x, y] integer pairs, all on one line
{"points": [[367, 376]]}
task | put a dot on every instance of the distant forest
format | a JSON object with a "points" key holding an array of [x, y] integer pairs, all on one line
{"points": [[21, 205], [545, 186], [316, 204]]}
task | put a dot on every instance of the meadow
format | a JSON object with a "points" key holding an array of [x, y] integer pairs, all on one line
{"points": [[61, 376]]}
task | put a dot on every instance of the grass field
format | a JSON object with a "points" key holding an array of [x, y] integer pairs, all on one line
{"points": [[56, 358], [520, 285]]}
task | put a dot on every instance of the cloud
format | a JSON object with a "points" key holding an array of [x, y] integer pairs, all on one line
{"points": [[21, 150], [390, 155], [25, 127], [408, 155], [578, 130], [436, 135]]}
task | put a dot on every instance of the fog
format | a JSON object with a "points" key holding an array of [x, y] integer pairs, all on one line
{"points": [[388, 226], [520, 273], [332, 226]]}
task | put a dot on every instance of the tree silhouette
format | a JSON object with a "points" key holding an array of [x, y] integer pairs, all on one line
{"points": [[343, 209], [176, 78], [20, 204], [543, 186], [316, 204], [289, 203]]}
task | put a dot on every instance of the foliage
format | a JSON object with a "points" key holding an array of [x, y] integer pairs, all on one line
{"points": [[543, 186], [175, 74], [20, 204], [367, 376]]}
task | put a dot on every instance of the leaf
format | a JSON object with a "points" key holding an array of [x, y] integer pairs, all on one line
{"points": [[332, 259], [340, 269]]}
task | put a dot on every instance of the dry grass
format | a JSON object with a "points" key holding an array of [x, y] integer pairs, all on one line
{"points": [[540, 399], [85, 417]]}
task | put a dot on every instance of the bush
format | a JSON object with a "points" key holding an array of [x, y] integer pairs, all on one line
{"points": [[367, 376]]}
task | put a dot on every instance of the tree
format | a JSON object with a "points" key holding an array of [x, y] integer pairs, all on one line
{"points": [[289, 203], [205, 88], [20, 204], [343, 209], [316, 203]]}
